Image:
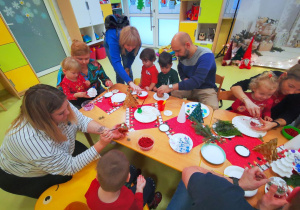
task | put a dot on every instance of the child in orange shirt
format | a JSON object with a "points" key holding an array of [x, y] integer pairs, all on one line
{"points": [[73, 84], [149, 71], [263, 87]]}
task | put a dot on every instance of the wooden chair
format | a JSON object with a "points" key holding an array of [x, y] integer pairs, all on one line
{"points": [[219, 81], [225, 95], [3, 107]]}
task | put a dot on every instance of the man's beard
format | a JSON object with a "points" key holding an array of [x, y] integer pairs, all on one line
{"points": [[186, 55]]}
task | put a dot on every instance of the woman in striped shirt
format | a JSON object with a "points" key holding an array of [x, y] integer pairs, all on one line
{"points": [[40, 150]]}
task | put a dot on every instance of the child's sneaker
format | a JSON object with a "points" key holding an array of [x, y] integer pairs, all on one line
{"points": [[157, 199]]}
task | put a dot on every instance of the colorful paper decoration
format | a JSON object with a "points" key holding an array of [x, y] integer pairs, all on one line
{"points": [[197, 114], [268, 150]]}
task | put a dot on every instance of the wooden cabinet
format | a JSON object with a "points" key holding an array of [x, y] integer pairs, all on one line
{"points": [[16, 73], [208, 23], [83, 17]]}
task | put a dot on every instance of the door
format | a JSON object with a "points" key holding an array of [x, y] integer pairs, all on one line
{"points": [[157, 21], [34, 31], [95, 10], [82, 14]]}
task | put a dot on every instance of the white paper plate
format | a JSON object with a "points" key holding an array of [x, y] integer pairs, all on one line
{"points": [[165, 97], [242, 150], [143, 93], [118, 98], [214, 126], [181, 143], [236, 171], [149, 114], [133, 93], [168, 112], [108, 94], [242, 123], [189, 108], [213, 153], [115, 91], [164, 127]]}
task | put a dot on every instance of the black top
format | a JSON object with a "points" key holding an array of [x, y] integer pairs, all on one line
{"points": [[288, 109]]}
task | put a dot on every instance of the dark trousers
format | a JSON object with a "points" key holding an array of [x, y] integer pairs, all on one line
{"points": [[34, 186], [149, 189]]}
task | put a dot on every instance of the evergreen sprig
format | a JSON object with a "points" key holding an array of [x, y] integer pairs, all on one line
{"points": [[226, 128]]}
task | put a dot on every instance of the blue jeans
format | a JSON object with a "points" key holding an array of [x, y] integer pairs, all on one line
{"points": [[181, 199], [124, 61]]}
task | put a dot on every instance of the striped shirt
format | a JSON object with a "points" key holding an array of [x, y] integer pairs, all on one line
{"points": [[32, 153]]}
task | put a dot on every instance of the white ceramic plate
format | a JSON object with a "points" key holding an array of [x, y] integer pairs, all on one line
{"points": [[108, 94], [214, 126], [236, 171], [242, 150], [165, 97], [149, 114], [189, 108], [181, 143], [118, 98], [213, 153], [242, 123]]}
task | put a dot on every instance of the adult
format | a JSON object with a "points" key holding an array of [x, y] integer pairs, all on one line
{"points": [[40, 150], [197, 70], [90, 69], [122, 45], [286, 100], [202, 189]]}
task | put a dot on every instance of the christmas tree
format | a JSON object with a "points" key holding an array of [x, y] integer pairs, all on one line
{"points": [[196, 114], [268, 150], [130, 101], [140, 5]]}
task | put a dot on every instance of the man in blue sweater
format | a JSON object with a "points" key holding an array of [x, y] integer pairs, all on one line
{"points": [[197, 70]]}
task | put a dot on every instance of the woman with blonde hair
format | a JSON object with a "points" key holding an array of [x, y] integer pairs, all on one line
{"points": [[40, 150], [90, 69], [285, 108], [122, 45]]}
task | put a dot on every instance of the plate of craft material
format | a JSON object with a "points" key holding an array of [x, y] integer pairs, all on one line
{"points": [[149, 114], [213, 154], [181, 143], [237, 172], [118, 98], [242, 123], [165, 97], [189, 108], [225, 129]]}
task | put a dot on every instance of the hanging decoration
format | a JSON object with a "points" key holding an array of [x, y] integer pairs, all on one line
{"points": [[140, 5]]}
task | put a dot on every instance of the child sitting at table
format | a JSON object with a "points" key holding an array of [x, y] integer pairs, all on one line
{"points": [[73, 84], [149, 71], [262, 87], [167, 76], [108, 191]]}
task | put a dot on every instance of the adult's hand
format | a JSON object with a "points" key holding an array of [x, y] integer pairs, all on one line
{"points": [[135, 87], [164, 89], [105, 138], [109, 83], [117, 134], [252, 179], [270, 202], [266, 125], [252, 108], [127, 71]]}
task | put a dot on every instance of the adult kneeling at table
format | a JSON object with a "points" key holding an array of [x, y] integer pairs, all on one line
{"points": [[40, 150], [90, 69], [286, 99], [197, 70], [123, 43]]}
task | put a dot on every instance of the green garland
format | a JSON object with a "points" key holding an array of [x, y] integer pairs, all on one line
{"points": [[226, 128]]}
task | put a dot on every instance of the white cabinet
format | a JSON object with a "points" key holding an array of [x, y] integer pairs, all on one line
{"points": [[83, 18]]}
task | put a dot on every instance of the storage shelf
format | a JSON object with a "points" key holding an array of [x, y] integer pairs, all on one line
{"points": [[95, 42]]}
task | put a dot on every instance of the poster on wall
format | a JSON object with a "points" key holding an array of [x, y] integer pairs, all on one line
{"points": [[275, 26]]}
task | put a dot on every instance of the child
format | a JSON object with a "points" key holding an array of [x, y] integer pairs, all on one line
{"points": [[108, 191], [73, 84], [167, 76], [263, 87], [149, 71]]}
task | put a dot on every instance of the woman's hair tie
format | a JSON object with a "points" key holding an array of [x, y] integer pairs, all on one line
{"points": [[270, 75]]}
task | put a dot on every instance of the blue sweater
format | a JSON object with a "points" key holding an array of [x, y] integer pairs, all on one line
{"points": [[112, 43], [200, 70]]}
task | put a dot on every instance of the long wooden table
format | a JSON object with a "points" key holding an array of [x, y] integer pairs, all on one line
{"points": [[161, 152]]}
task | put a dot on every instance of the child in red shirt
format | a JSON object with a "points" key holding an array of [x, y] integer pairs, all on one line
{"points": [[149, 72], [263, 87], [73, 84], [108, 191]]}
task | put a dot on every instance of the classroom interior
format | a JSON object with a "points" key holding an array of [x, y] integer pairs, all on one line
{"points": [[167, 178]]}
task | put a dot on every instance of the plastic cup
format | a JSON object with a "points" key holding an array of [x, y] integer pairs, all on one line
{"points": [[161, 105]]}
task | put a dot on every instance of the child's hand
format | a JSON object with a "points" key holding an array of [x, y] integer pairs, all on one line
{"points": [[141, 182], [109, 83], [87, 83], [155, 89], [147, 88], [81, 95], [241, 108], [267, 118]]}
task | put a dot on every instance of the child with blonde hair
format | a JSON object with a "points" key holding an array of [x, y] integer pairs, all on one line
{"points": [[262, 87], [73, 84]]}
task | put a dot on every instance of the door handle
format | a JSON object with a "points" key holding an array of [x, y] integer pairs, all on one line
{"points": [[87, 5], [194, 33]]}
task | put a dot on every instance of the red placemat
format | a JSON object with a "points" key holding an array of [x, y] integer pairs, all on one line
{"points": [[106, 105], [136, 125], [186, 128]]}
